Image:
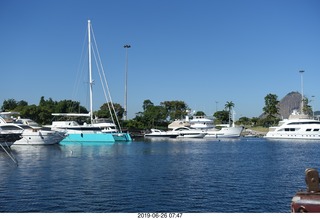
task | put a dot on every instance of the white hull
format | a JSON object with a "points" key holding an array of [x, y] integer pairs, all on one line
{"points": [[31, 132], [88, 133], [185, 132], [206, 126], [299, 136], [191, 135], [40, 137], [155, 133], [296, 127], [230, 132]]}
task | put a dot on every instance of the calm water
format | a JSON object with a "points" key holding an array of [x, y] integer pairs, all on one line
{"points": [[244, 175]]}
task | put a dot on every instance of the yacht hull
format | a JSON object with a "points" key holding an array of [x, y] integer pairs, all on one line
{"points": [[275, 136], [30, 137], [97, 137], [230, 132], [191, 135], [155, 133], [89, 137], [121, 137]]}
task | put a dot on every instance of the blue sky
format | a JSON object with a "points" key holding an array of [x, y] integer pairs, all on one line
{"points": [[203, 52]]}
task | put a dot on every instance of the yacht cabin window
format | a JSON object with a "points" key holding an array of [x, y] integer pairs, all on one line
{"points": [[289, 129]]}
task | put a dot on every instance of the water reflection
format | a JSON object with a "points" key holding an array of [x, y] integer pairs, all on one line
{"points": [[95, 149], [227, 175]]}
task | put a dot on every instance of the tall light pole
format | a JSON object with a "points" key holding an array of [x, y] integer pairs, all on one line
{"points": [[302, 98], [313, 99], [126, 82]]}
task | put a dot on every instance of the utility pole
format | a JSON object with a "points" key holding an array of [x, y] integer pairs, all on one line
{"points": [[302, 97]]}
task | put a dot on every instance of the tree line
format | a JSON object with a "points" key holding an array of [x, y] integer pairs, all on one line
{"points": [[151, 116]]}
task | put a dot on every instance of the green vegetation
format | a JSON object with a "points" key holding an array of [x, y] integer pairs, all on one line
{"points": [[152, 116]]}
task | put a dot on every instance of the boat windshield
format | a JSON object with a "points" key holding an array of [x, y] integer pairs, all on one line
{"points": [[101, 120]]}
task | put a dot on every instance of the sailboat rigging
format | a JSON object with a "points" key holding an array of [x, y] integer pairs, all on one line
{"points": [[98, 130]]}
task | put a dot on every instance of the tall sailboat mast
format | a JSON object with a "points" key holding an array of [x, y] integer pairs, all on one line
{"points": [[90, 69]]}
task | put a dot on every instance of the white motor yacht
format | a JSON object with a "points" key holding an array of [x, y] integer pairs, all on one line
{"points": [[298, 126], [187, 132], [207, 125], [224, 132], [33, 133], [161, 134]]}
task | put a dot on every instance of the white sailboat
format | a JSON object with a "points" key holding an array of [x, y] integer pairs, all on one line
{"points": [[95, 131]]}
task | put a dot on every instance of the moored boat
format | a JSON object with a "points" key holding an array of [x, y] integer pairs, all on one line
{"points": [[225, 132], [88, 133], [298, 126], [160, 134], [187, 132], [31, 132], [207, 125], [95, 130]]}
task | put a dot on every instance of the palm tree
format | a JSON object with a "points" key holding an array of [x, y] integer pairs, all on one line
{"points": [[229, 105]]}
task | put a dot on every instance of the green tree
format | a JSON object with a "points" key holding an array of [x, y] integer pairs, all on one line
{"points": [[199, 113], [175, 109], [157, 116], [222, 117], [271, 109], [255, 121], [146, 104], [33, 112], [244, 121], [108, 110], [229, 106], [152, 115], [307, 109], [9, 105]]}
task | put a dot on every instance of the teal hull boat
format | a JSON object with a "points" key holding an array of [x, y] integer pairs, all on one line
{"points": [[97, 137]]}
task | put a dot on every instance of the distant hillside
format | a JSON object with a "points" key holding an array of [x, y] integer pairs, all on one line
{"points": [[292, 101]]}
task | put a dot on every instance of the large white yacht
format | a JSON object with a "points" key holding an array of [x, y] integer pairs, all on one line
{"points": [[227, 131], [298, 126], [32, 133], [206, 125]]}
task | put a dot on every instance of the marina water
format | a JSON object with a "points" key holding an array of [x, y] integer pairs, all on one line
{"points": [[241, 175]]}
